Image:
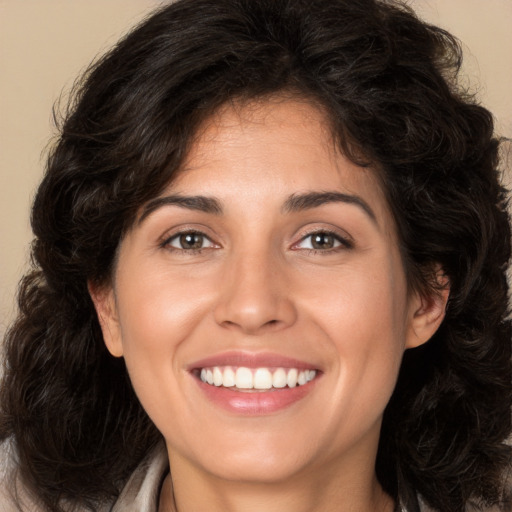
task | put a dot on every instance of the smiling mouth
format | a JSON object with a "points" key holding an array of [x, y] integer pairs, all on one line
{"points": [[259, 379]]}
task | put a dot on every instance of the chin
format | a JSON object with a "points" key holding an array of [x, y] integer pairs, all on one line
{"points": [[251, 460], [262, 469]]}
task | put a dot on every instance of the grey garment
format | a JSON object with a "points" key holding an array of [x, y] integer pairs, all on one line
{"points": [[140, 494], [11, 489]]}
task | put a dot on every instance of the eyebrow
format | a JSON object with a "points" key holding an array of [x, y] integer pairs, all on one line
{"points": [[294, 203], [309, 200], [198, 203]]}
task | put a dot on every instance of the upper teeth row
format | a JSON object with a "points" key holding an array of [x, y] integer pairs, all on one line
{"points": [[256, 378]]}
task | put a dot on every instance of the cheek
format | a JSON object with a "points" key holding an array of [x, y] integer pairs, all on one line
{"points": [[364, 314], [159, 308], [157, 312], [365, 302]]}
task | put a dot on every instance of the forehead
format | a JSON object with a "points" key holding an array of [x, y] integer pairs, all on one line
{"points": [[269, 131], [277, 144]]}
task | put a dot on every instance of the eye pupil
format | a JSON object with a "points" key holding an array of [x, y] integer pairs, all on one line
{"points": [[322, 241], [191, 241]]}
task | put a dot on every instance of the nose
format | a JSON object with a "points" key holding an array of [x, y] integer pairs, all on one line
{"points": [[254, 295]]}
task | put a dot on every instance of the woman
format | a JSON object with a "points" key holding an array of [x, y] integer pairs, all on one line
{"points": [[268, 274]]}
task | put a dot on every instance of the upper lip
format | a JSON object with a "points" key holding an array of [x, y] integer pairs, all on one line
{"points": [[251, 360]]}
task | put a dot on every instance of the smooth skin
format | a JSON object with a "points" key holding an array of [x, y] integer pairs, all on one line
{"points": [[254, 271]]}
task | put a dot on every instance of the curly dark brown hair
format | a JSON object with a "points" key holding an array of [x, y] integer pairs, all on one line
{"points": [[388, 84]]}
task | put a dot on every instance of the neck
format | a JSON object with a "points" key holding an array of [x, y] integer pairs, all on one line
{"points": [[345, 489]]}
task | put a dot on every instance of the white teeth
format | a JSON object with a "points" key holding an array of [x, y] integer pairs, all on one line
{"points": [[262, 379], [243, 378], [256, 378], [279, 378], [228, 380], [291, 378], [217, 376]]}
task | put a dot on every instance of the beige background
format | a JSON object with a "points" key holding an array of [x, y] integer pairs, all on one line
{"points": [[44, 44]]}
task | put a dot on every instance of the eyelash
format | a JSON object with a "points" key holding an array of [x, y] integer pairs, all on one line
{"points": [[343, 242], [166, 244]]}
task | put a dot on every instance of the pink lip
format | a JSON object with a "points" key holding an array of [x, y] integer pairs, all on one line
{"points": [[251, 360], [254, 402]]}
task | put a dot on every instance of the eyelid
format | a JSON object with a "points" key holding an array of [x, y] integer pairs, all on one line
{"points": [[165, 241], [179, 235], [344, 239]]}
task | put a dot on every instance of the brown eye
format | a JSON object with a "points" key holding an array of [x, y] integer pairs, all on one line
{"points": [[323, 241], [189, 241]]}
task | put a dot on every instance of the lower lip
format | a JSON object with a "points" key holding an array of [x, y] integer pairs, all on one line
{"points": [[255, 402]]}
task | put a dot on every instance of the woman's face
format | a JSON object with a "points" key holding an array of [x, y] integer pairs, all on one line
{"points": [[270, 267]]}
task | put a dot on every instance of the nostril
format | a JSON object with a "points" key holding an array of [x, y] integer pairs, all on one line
{"points": [[251, 312]]}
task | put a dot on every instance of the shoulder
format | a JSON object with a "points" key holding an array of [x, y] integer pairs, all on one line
{"points": [[141, 492], [13, 496], [423, 507]]}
